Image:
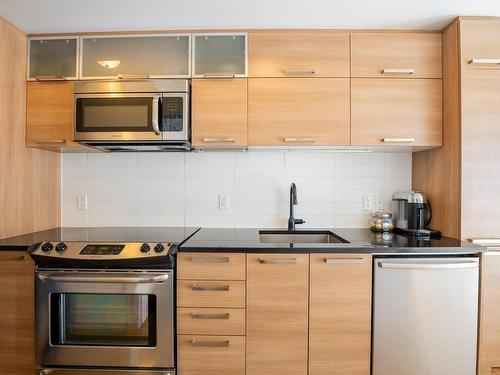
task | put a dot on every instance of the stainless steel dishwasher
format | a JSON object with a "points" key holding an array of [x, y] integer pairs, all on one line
{"points": [[425, 316]]}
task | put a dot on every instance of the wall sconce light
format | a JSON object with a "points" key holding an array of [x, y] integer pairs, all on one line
{"points": [[110, 64]]}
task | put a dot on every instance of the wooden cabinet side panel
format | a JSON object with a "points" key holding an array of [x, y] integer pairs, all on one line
{"points": [[277, 311]]}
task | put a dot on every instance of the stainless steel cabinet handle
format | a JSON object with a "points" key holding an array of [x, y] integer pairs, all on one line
{"points": [[210, 316], [18, 258], [485, 61], [156, 114], [219, 75], [198, 288], [398, 71], [210, 260], [133, 76], [223, 139], [428, 266], [104, 279], [50, 78], [50, 141], [398, 140], [300, 71], [344, 260], [278, 261], [210, 344], [299, 139]]}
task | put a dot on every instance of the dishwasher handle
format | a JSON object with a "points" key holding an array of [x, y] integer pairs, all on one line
{"points": [[429, 266]]}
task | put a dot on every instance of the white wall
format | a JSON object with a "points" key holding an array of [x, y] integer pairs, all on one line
{"points": [[182, 189]]}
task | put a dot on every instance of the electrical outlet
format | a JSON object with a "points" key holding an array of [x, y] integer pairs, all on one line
{"points": [[223, 202], [379, 203], [82, 202], [368, 203]]}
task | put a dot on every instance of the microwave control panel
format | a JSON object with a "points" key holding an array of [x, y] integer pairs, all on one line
{"points": [[173, 112]]}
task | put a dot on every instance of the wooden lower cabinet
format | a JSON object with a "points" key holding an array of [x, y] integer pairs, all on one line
{"points": [[340, 314], [210, 355], [17, 353], [277, 310]]}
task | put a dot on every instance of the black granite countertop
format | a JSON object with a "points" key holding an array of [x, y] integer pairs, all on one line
{"points": [[121, 234], [360, 240]]}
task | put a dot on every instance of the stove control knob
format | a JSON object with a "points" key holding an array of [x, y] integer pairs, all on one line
{"points": [[61, 246], [47, 246], [159, 248], [144, 248]]}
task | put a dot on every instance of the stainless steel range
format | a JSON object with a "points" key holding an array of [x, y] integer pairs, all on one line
{"points": [[104, 307]]}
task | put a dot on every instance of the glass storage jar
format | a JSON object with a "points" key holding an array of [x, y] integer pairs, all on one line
{"points": [[381, 222]]}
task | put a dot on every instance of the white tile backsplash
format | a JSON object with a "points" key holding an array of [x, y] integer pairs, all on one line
{"points": [[182, 189]]}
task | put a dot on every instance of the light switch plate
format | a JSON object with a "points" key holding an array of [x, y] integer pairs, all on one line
{"points": [[223, 202], [379, 203], [368, 203], [82, 201]]}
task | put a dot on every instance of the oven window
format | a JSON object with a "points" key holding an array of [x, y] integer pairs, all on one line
{"points": [[114, 114], [103, 319]]}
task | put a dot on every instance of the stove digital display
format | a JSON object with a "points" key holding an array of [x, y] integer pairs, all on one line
{"points": [[102, 249]]}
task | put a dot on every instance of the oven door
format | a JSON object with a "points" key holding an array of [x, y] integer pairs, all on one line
{"points": [[104, 318], [118, 117]]}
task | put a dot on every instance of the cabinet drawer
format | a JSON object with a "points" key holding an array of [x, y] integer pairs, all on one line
{"points": [[211, 266], [398, 112], [412, 55], [210, 321], [298, 111], [299, 54], [195, 293], [210, 355]]}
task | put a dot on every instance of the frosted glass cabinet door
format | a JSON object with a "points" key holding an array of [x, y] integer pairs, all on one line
{"points": [[220, 55], [151, 56], [53, 58]]}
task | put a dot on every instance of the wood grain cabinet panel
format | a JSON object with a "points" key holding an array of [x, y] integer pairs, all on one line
{"points": [[219, 113], [17, 352], [211, 266], [299, 54], [196, 293], [298, 111], [411, 55], [210, 321], [340, 314], [396, 112], [210, 355], [50, 115], [277, 310], [480, 44]]}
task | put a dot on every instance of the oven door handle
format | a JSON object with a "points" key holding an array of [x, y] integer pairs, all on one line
{"points": [[156, 114], [105, 280]]}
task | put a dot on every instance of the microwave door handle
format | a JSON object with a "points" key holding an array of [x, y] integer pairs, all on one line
{"points": [[156, 114]]}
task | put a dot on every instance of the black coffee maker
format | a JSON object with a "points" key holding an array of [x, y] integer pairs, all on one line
{"points": [[412, 214]]}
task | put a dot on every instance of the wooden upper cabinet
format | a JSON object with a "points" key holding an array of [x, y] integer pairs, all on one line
{"points": [[299, 54], [298, 111], [396, 54], [480, 44], [277, 310], [219, 113], [396, 112], [340, 314], [49, 115]]}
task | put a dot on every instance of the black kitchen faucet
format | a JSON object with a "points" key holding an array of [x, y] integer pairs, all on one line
{"points": [[293, 201]]}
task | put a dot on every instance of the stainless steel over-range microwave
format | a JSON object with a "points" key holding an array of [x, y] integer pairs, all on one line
{"points": [[143, 115]]}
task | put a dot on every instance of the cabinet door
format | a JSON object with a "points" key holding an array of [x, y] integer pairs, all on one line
{"points": [[340, 314], [53, 58], [277, 310], [219, 111], [298, 111], [480, 42], [49, 115], [299, 54], [17, 353], [223, 54], [130, 56], [412, 55], [399, 112]]}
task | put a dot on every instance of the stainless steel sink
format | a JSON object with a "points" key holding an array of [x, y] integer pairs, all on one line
{"points": [[300, 236]]}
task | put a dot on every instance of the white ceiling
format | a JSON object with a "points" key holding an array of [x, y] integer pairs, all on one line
{"points": [[45, 16]]}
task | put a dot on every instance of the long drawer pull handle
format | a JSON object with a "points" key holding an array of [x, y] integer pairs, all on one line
{"points": [[485, 61], [278, 261], [50, 78], [219, 75], [428, 266], [398, 71], [210, 316], [50, 141], [210, 344], [18, 258], [210, 260], [198, 288], [344, 260], [224, 139], [133, 76], [299, 139], [300, 71], [398, 140]]}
